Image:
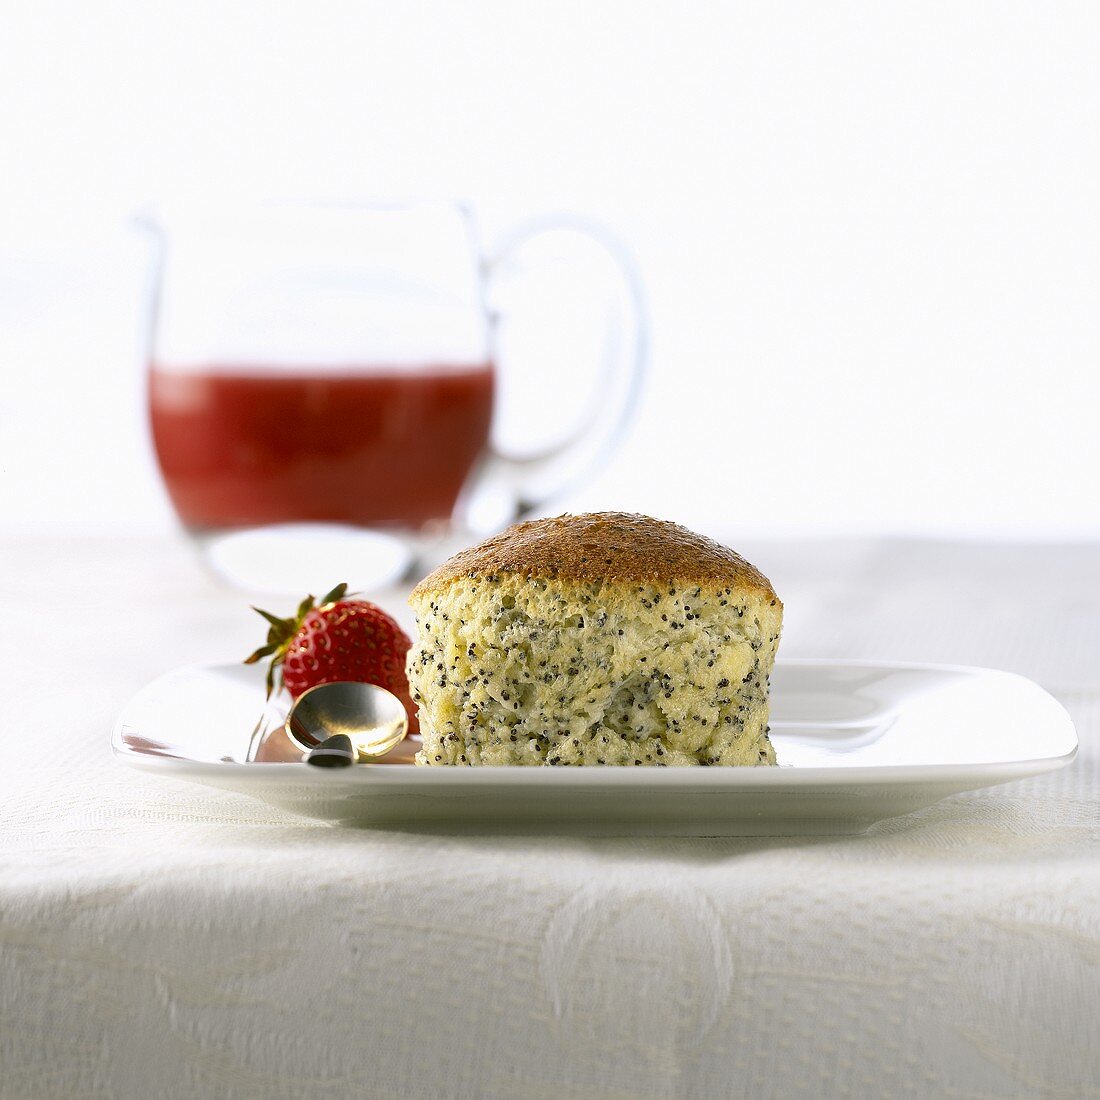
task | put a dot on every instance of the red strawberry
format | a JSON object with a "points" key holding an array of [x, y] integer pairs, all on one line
{"points": [[339, 639]]}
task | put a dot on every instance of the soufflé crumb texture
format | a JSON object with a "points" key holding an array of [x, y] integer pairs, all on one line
{"points": [[597, 639]]}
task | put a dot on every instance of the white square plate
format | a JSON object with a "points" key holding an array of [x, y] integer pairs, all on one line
{"points": [[856, 742]]}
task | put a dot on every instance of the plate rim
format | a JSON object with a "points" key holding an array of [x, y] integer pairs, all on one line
{"points": [[364, 776]]}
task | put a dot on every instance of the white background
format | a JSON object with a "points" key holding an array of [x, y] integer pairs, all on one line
{"points": [[869, 231]]}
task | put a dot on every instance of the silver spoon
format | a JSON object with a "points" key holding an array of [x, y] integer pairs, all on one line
{"points": [[373, 718]]}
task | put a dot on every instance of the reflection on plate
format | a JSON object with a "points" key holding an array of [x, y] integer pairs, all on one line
{"points": [[856, 741]]}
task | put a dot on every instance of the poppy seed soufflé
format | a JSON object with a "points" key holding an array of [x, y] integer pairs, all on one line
{"points": [[602, 639]]}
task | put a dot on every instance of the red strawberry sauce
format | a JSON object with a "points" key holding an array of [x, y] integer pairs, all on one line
{"points": [[371, 447]]}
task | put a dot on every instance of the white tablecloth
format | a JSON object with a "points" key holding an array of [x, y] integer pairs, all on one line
{"points": [[162, 939]]}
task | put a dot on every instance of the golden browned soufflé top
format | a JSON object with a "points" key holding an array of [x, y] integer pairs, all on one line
{"points": [[611, 547]]}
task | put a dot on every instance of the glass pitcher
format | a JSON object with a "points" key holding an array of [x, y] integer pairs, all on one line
{"points": [[325, 382]]}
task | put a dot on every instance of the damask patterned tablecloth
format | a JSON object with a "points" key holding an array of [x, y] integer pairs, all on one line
{"points": [[163, 939]]}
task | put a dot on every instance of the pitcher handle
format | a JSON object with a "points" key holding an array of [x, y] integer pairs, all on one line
{"points": [[534, 479]]}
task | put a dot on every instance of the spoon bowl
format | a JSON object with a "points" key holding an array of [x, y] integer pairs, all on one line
{"points": [[373, 718]]}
